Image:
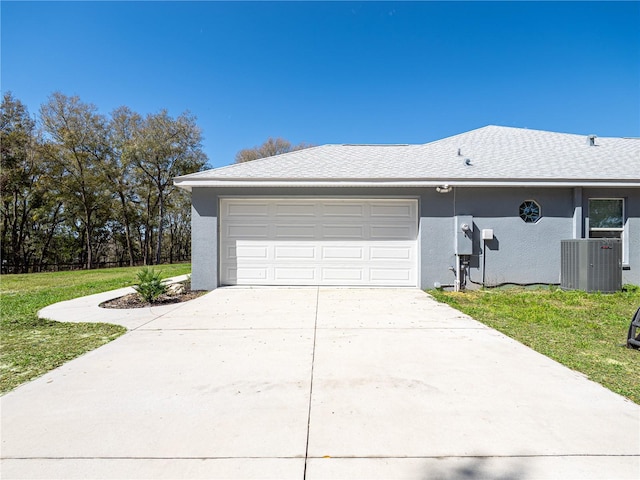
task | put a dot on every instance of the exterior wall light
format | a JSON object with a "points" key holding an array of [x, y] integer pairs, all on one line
{"points": [[444, 188]]}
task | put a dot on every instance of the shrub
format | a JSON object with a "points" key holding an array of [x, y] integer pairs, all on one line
{"points": [[150, 286]]}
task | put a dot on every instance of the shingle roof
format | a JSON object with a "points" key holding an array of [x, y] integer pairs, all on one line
{"points": [[500, 154]]}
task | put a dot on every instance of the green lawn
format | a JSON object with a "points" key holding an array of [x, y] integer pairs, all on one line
{"points": [[584, 331], [30, 346]]}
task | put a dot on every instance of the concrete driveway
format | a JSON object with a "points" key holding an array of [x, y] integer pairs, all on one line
{"points": [[314, 383]]}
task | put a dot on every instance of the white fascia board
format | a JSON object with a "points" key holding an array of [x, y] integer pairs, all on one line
{"points": [[189, 184]]}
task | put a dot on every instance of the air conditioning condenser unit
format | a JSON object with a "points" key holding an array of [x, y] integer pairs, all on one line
{"points": [[592, 265]]}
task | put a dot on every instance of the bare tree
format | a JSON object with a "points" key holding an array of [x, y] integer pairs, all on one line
{"points": [[269, 148], [166, 148], [78, 146], [28, 208], [124, 126]]}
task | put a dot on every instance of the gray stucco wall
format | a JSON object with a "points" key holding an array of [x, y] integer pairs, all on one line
{"points": [[520, 252], [204, 239]]}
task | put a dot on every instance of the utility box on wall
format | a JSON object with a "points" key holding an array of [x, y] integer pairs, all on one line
{"points": [[463, 234], [592, 265]]}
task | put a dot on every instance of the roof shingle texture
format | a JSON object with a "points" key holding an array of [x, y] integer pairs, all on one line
{"points": [[491, 152]]}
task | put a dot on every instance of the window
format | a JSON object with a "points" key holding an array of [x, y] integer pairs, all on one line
{"points": [[607, 220], [606, 217], [530, 211]]}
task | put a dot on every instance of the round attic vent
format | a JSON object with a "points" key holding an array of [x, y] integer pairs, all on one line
{"points": [[530, 211]]}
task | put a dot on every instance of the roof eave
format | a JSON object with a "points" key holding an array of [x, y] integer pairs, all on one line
{"points": [[189, 183]]}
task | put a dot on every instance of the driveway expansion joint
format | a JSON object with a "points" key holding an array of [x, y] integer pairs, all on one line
{"points": [[313, 357]]}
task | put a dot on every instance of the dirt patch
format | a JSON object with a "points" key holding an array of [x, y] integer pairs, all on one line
{"points": [[133, 300]]}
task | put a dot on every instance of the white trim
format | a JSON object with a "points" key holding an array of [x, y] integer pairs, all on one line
{"points": [[189, 184], [578, 207]]}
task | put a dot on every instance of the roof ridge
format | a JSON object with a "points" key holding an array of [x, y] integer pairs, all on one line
{"points": [[458, 135], [544, 131], [376, 144], [259, 160], [521, 129]]}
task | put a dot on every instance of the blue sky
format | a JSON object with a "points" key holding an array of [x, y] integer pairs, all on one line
{"points": [[335, 72]]}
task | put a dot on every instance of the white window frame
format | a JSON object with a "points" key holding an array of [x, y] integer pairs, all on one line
{"points": [[624, 237]]}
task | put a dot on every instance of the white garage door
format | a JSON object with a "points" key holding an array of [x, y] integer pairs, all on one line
{"points": [[318, 242]]}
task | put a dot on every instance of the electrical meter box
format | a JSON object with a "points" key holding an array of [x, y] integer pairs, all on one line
{"points": [[463, 234]]}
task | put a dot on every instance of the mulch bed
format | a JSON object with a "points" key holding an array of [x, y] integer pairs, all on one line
{"points": [[133, 300]]}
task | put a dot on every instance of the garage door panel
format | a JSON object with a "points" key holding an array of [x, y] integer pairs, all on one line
{"points": [[251, 273], [243, 209], [293, 231], [343, 231], [247, 251], [245, 276], [342, 209], [295, 210], [230, 273], [390, 253], [390, 274], [392, 211], [392, 232], [342, 275], [318, 242], [241, 231], [295, 274], [343, 252], [294, 252]]}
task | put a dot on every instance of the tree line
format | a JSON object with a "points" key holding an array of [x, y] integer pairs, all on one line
{"points": [[82, 188]]}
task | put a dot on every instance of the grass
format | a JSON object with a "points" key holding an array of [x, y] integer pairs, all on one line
{"points": [[31, 346], [584, 331]]}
